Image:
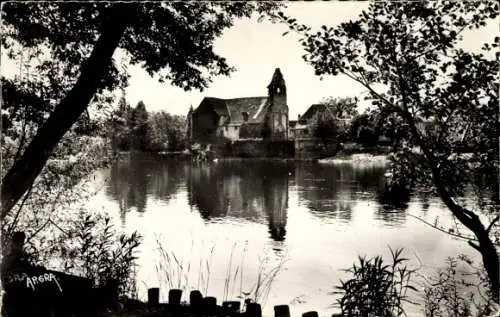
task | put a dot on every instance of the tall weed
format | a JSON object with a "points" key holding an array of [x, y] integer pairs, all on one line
{"points": [[236, 283], [459, 289], [376, 288], [90, 247]]}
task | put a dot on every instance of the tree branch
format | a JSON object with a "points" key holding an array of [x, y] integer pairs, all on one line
{"points": [[21, 205], [445, 123], [38, 230], [459, 236], [442, 45], [492, 223]]}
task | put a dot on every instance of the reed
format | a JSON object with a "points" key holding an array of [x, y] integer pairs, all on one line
{"points": [[265, 279], [208, 264], [176, 272]]}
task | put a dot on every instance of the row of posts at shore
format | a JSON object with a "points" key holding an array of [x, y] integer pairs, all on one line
{"points": [[207, 306]]}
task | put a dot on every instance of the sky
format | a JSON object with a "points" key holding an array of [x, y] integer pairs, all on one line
{"points": [[255, 50]]}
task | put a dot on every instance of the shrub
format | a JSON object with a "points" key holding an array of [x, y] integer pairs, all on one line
{"points": [[376, 288], [90, 247], [452, 293], [103, 255]]}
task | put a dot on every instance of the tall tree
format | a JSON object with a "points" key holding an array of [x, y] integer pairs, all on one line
{"points": [[158, 125], [119, 125], [363, 129], [173, 40], [139, 127], [342, 111], [176, 132], [408, 57], [325, 128], [341, 107]]}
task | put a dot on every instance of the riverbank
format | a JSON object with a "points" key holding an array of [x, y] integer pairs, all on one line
{"points": [[358, 159], [125, 154], [274, 159]]}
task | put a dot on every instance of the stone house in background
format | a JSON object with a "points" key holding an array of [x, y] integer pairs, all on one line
{"points": [[298, 129], [304, 126], [264, 117]]}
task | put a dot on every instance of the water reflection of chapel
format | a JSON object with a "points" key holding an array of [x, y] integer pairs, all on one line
{"points": [[230, 189]]}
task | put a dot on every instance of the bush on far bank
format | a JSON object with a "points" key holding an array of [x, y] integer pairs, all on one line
{"points": [[356, 148]]}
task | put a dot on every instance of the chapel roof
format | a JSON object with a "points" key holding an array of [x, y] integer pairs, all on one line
{"points": [[235, 108]]}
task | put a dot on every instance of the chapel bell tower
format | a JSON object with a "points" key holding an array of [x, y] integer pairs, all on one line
{"points": [[277, 122]]}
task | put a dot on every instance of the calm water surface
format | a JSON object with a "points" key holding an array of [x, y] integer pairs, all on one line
{"points": [[223, 224]]}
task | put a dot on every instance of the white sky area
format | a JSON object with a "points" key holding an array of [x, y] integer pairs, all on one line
{"points": [[256, 49]]}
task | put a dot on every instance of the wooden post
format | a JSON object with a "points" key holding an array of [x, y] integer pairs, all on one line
{"points": [[210, 301], [174, 297], [210, 306], [232, 306], [153, 297], [195, 300], [310, 314], [253, 310], [281, 311]]}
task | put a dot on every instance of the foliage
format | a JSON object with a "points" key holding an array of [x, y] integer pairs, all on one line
{"points": [[334, 120], [408, 57], [363, 130], [90, 247], [64, 182], [325, 128], [171, 128], [137, 129], [396, 130], [70, 30], [54, 237], [119, 124], [75, 45], [376, 288], [370, 126], [101, 256], [341, 108], [61, 182], [456, 291]]}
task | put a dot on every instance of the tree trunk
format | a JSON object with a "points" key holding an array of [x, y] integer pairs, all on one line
{"points": [[25, 170], [491, 264]]}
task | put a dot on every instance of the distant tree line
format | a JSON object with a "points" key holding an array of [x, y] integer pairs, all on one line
{"points": [[373, 127], [140, 130], [343, 122]]}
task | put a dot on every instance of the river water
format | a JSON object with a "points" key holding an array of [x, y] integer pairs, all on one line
{"points": [[277, 231]]}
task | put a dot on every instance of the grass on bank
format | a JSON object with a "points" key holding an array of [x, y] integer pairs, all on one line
{"points": [[176, 272]]}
